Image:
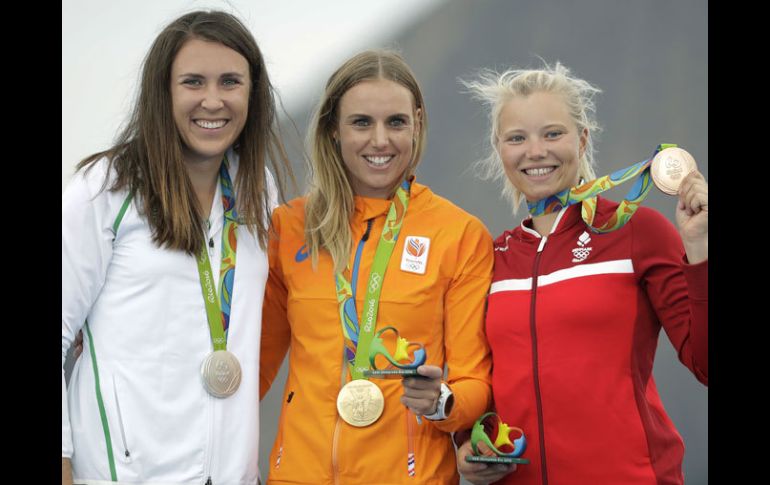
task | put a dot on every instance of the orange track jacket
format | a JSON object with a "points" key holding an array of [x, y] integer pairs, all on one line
{"points": [[443, 309]]}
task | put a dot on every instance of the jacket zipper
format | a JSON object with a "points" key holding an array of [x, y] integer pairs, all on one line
{"points": [[343, 374], [533, 332], [126, 453], [357, 259], [209, 443]]}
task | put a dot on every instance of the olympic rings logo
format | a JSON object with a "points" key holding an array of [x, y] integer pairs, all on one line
{"points": [[374, 281]]}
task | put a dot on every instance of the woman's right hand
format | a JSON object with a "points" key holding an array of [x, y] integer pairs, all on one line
{"points": [[78, 345], [481, 473], [66, 471]]}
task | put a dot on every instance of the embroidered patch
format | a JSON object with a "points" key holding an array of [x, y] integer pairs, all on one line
{"points": [[582, 252], [415, 256]]}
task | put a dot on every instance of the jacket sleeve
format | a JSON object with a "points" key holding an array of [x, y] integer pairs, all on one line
{"points": [[276, 332], [468, 356], [677, 290], [86, 250]]}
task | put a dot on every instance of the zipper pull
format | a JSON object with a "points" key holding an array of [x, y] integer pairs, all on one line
{"points": [[291, 395], [368, 230], [208, 482], [542, 243]]}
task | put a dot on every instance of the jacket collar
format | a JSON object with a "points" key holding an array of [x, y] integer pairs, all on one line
{"points": [[367, 207], [567, 219]]}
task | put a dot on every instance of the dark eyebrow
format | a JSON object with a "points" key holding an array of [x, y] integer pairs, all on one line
{"points": [[201, 76], [360, 115]]}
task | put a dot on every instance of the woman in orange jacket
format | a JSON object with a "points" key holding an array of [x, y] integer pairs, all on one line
{"points": [[370, 264]]}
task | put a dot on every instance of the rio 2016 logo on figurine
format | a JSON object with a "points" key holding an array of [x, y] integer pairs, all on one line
{"points": [[412, 352], [496, 435]]}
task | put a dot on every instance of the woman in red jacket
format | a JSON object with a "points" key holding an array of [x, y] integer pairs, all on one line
{"points": [[578, 297]]}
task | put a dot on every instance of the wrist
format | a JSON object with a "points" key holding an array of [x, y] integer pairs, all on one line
{"points": [[696, 252], [444, 404], [66, 471]]}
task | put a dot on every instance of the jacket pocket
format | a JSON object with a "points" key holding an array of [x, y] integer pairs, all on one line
{"points": [[279, 441], [125, 451]]}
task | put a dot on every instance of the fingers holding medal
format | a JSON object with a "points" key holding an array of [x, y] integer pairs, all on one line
{"points": [[692, 216], [693, 194], [675, 172]]}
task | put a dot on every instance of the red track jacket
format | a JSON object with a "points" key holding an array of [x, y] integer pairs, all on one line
{"points": [[573, 352]]}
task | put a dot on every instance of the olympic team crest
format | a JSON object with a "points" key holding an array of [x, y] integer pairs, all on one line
{"points": [[415, 256]]}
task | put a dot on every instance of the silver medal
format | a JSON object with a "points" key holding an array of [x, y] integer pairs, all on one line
{"points": [[221, 373]]}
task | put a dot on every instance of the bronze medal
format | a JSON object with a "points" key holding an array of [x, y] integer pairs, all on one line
{"points": [[360, 403], [221, 373], [670, 167]]}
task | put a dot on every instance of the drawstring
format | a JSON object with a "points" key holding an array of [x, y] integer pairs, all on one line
{"points": [[410, 470]]}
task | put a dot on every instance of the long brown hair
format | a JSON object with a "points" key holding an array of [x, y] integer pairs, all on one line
{"points": [[147, 154], [330, 200]]}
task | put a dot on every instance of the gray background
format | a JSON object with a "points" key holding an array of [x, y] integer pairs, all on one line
{"points": [[649, 58], [651, 61]]}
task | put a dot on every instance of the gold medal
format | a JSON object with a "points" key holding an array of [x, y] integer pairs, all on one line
{"points": [[670, 167], [221, 373], [360, 403]]}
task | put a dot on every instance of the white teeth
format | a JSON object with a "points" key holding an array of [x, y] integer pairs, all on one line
{"points": [[210, 124], [379, 160], [539, 171]]}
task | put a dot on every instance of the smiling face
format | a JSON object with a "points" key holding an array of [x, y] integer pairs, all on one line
{"points": [[540, 144], [376, 128], [210, 86]]}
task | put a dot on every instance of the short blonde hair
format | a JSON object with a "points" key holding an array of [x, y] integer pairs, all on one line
{"points": [[495, 89]]}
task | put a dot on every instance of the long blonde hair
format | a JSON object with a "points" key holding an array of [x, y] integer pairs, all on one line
{"points": [[330, 203], [495, 89]]}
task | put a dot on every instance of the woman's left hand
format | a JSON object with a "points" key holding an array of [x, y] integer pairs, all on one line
{"points": [[421, 393], [692, 216]]}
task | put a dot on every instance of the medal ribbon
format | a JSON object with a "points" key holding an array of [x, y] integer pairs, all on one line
{"points": [[587, 192], [218, 313], [358, 340]]}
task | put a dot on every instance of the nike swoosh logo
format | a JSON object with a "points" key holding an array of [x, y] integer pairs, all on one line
{"points": [[302, 254]]}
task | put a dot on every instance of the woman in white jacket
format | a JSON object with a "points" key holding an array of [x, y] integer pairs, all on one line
{"points": [[167, 388]]}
